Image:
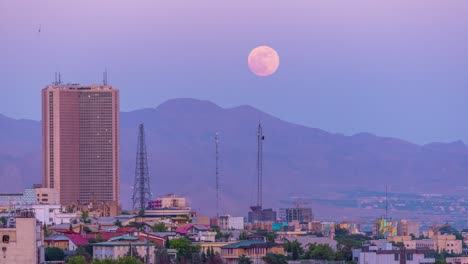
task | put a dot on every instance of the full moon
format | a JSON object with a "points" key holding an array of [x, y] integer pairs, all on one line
{"points": [[263, 61]]}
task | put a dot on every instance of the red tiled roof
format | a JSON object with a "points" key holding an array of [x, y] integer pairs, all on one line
{"points": [[78, 239], [83, 239], [127, 229], [153, 238], [184, 229]]}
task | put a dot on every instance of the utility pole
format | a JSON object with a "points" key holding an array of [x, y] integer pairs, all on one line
{"points": [[147, 249], [217, 174]]}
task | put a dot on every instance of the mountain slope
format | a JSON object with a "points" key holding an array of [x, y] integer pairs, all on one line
{"points": [[299, 161]]}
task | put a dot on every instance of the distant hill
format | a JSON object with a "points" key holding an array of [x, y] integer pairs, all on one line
{"points": [[299, 161]]}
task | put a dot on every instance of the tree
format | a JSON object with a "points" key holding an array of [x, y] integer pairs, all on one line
{"points": [[76, 260], [132, 252], [141, 212], [346, 244], [203, 257], [54, 254], [162, 257], [275, 259], [87, 229], [244, 260], [320, 251], [4, 220], [184, 248], [215, 258], [137, 225], [128, 260], [159, 227], [243, 236], [118, 223], [296, 249], [47, 231], [84, 216]]}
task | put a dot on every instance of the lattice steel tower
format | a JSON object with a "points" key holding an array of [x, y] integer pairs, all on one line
{"points": [[141, 189]]}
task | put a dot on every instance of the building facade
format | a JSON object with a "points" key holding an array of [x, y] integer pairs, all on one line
{"points": [[115, 250], [80, 139], [303, 215], [406, 228], [22, 240], [387, 254], [261, 215], [255, 250], [228, 222]]}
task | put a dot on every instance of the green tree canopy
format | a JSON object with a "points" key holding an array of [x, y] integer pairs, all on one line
{"points": [[159, 227], [118, 223], [275, 259], [320, 251], [77, 260], [54, 254], [244, 260]]}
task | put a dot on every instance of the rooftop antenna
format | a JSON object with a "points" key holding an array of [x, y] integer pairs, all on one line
{"points": [[59, 78], [55, 81], [217, 173], [104, 77]]}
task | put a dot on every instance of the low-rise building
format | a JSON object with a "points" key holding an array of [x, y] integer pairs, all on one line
{"points": [[22, 239], [447, 243], [457, 260], [228, 222], [383, 227], [420, 244], [60, 241], [253, 249], [197, 232], [305, 241], [215, 246], [408, 228], [387, 254], [115, 250]]}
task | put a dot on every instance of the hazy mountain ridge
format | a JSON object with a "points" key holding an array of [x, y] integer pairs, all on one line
{"points": [[299, 161]]}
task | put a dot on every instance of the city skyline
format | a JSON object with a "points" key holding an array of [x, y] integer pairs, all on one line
{"points": [[393, 69]]}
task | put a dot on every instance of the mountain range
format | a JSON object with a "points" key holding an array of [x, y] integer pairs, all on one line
{"points": [[298, 161]]}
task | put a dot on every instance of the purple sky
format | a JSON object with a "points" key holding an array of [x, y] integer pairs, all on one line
{"points": [[394, 68]]}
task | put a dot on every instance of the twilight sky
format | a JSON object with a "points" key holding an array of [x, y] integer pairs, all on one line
{"points": [[394, 68]]}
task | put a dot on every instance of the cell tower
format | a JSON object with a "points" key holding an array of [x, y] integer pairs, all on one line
{"points": [[141, 189], [217, 174], [260, 139]]}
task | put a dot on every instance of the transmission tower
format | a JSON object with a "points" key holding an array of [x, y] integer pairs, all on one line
{"points": [[141, 188], [217, 174]]}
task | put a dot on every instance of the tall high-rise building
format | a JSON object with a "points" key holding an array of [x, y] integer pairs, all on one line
{"points": [[80, 143]]}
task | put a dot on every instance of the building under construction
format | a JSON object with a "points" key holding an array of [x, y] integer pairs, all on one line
{"points": [[257, 213], [302, 215]]}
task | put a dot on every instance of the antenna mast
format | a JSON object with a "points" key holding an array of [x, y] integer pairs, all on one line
{"points": [[141, 189], [386, 202], [260, 139], [217, 174], [104, 77]]}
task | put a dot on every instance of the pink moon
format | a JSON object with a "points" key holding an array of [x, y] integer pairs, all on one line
{"points": [[263, 61]]}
